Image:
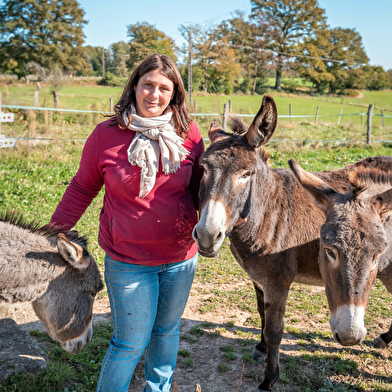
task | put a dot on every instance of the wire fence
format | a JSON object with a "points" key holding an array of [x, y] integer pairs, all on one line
{"points": [[225, 115]]}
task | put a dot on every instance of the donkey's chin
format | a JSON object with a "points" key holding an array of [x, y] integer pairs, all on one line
{"points": [[75, 345], [207, 244], [208, 253]]}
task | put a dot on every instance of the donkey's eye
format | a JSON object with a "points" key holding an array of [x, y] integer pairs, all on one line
{"points": [[246, 175], [330, 253]]}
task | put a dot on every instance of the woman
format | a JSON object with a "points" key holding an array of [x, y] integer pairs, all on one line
{"points": [[147, 158]]}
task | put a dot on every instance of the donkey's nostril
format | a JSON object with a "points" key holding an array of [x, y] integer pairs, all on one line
{"points": [[194, 234], [219, 236], [338, 339]]}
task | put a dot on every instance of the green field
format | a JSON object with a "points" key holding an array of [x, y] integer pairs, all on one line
{"points": [[352, 125]]}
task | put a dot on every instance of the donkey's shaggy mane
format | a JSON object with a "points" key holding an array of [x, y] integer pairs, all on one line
{"points": [[17, 219], [237, 125], [361, 178]]}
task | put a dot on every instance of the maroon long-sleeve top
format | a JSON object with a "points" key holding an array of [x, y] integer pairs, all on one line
{"points": [[153, 230]]}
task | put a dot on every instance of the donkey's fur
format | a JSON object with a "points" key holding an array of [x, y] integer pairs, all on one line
{"points": [[270, 219], [354, 246], [55, 272]]}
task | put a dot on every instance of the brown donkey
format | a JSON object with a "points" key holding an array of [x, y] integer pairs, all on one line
{"points": [[270, 219], [354, 246], [55, 272]]}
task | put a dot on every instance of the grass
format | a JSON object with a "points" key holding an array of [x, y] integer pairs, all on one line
{"points": [[80, 125], [35, 175]]}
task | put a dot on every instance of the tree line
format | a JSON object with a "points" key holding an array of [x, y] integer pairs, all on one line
{"points": [[279, 38]]}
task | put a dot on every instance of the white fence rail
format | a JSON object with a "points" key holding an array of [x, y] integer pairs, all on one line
{"points": [[10, 142]]}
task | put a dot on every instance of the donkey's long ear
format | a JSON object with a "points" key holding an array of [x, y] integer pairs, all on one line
{"points": [[264, 124], [382, 203], [216, 132], [321, 194], [73, 253]]}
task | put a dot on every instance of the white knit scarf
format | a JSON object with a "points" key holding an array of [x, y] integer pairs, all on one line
{"points": [[155, 136]]}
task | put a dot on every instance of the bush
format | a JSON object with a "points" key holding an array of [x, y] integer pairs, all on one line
{"points": [[112, 80]]}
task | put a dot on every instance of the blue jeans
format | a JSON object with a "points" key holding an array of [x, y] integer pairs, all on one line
{"points": [[146, 304]]}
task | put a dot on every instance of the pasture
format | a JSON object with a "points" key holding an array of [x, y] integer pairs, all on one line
{"points": [[297, 130], [221, 323]]}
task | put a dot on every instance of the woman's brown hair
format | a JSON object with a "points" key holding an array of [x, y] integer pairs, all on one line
{"points": [[177, 105]]}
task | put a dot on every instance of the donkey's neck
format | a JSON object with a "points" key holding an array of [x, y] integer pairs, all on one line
{"points": [[27, 265], [277, 220], [27, 282]]}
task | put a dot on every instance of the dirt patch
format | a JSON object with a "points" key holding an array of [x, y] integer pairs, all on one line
{"points": [[215, 349]]}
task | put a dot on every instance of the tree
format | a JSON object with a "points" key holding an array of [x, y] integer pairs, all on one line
{"points": [[119, 58], [329, 59], [250, 39], [225, 68], [370, 77], [203, 41], [145, 40], [389, 74], [48, 32], [93, 60], [348, 53], [292, 20], [312, 65]]}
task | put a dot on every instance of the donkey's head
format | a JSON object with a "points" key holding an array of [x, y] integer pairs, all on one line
{"points": [[66, 306], [352, 240], [230, 166]]}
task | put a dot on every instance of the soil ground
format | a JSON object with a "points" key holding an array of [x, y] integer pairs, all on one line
{"points": [[207, 368]]}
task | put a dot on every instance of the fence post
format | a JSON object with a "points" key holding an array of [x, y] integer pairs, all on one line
{"points": [[35, 98], [55, 99], [317, 112], [382, 117], [369, 124], [361, 117], [229, 105], [340, 115], [290, 112], [111, 104], [225, 116], [195, 105]]}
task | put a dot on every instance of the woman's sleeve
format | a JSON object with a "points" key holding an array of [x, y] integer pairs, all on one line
{"points": [[197, 172], [82, 189]]}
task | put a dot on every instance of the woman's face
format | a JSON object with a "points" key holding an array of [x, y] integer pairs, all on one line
{"points": [[153, 93]]}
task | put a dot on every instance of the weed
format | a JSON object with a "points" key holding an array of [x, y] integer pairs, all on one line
{"points": [[187, 363], [197, 330], [38, 334], [223, 367], [188, 338], [184, 353], [230, 356], [246, 357], [227, 349]]}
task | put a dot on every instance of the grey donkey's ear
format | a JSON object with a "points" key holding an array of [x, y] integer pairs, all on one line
{"points": [[72, 253], [382, 203], [264, 124], [321, 194], [216, 132]]}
